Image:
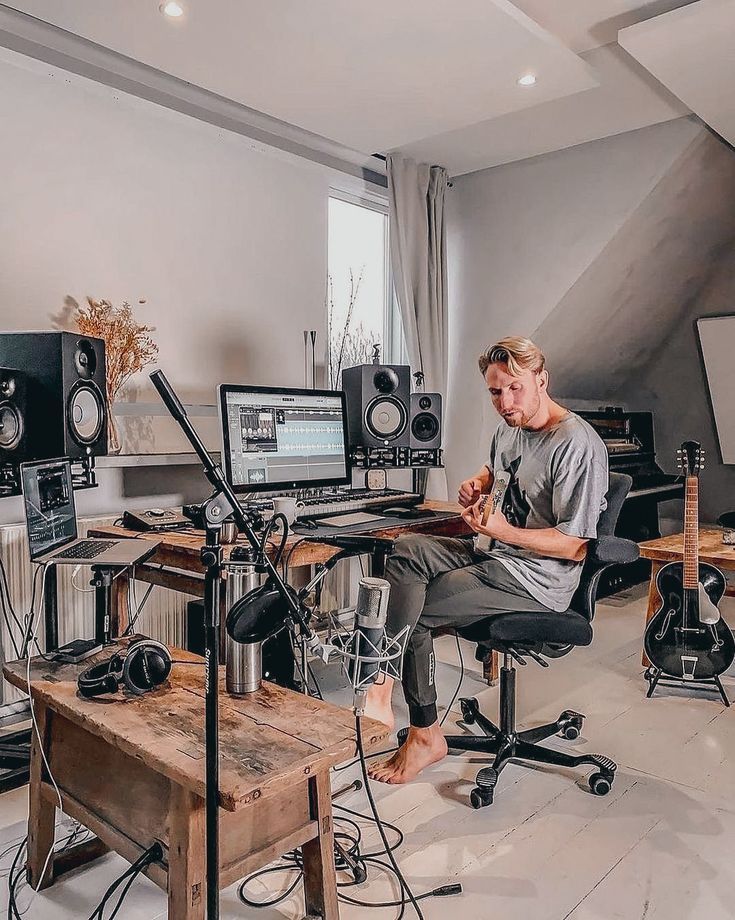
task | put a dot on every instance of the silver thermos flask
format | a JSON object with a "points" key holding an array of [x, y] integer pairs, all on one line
{"points": [[243, 663]]}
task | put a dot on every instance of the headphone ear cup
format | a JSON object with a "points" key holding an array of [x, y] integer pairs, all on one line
{"points": [[147, 665], [101, 678]]}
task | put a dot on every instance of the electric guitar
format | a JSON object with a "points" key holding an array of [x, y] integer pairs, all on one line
{"points": [[489, 504], [687, 638]]}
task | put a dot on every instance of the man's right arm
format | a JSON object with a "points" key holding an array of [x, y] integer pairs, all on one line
{"points": [[471, 489]]}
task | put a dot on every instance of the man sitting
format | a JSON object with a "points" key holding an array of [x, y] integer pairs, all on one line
{"points": [[557, 471]]}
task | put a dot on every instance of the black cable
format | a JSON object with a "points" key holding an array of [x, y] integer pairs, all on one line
{"points": [[373, 807], [134, 619], [151, 855], [8, 601], [349, 859]]}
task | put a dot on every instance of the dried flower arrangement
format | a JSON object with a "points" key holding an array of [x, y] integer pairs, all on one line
{"points": [[128, 347]]}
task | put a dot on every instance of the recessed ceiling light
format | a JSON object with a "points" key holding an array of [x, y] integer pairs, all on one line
{"points": [[528, 79], [172, 8]]}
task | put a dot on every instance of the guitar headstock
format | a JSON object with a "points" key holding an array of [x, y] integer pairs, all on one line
{"points": [[690, 457]]}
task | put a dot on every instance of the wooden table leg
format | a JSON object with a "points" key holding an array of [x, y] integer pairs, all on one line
{"points": [[186, 856], [653, 600], [491, 667], [41, 813], [320, 877], [119, 604]]}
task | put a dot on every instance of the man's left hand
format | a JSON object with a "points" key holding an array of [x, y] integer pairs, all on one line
{"points": [[496, 527]]}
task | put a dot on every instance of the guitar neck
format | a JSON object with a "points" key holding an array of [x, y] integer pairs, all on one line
{"points": [[691, 533]]}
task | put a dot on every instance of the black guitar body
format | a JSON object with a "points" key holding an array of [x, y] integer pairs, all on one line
{"points": [[675, 640]]}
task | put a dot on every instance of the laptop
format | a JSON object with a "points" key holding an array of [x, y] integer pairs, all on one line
{"points": [[51, 519]]}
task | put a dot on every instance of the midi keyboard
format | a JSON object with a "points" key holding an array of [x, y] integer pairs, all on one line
{"points": [[355, 500]]}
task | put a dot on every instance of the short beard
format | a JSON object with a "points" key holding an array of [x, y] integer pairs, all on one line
{"points": [[525, 418]]}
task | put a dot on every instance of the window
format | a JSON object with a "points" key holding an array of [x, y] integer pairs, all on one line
{"points": [[361, 307]]}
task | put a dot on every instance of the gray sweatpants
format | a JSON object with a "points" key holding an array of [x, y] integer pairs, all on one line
{"points": [[441, 582]]}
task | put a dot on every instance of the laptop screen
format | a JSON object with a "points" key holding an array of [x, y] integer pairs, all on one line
{"points": [[49, 505]]}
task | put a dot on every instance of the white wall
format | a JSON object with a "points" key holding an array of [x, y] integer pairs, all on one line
{"points": [[112, 196], [519, 237]]}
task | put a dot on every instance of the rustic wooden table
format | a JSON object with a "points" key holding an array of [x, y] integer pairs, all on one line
{"points": [[671, 549], [132, 771]]}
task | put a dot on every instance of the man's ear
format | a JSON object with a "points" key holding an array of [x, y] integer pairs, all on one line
{"points": [[543, 380]]}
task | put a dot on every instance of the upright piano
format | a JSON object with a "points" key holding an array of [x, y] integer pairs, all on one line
{"points": [[629, 439]]}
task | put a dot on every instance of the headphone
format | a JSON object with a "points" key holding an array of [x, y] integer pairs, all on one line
{"points": [[146, 666]]}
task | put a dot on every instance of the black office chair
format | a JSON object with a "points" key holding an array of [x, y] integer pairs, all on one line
{"points": [[539, 636]]}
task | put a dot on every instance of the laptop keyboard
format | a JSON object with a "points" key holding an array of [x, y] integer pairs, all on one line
{"points": [[86, 549]]}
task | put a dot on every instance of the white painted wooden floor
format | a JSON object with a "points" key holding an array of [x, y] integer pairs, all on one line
{"points": [[658, 846]]}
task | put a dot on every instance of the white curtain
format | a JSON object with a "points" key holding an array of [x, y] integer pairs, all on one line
{"points": [[419, 262]]}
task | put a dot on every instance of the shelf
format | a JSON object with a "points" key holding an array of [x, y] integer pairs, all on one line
{"points": [[126, 461]]}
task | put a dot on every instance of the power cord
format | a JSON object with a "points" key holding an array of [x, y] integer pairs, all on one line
{"points": [[148, 857]]}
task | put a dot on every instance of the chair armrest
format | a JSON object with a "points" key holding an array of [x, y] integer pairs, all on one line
{"points": [[608, 550]]}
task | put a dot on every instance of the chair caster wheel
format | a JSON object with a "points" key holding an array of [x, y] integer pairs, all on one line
{"points": [[570, 725], [469, 710], [600, 784], [480, 798]]}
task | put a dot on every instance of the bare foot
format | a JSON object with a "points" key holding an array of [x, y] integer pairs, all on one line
{"points": [[423, 747], [378, 702]]}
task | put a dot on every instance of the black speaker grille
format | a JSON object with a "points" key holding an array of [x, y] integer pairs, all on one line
{"points": [[11, 427], [425, 426]]}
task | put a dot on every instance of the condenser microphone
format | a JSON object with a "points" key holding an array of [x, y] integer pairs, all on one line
{"points": [[369, 637]]}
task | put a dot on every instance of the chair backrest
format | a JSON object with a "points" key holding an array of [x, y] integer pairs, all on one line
{"points": [[584, 597], [617, 490]]}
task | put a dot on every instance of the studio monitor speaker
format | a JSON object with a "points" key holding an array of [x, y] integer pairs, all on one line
{"points": [[13, 427], [66, 410], [426, 421], [378, 404]]}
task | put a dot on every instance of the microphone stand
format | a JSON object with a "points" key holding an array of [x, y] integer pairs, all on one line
{"points": [[220, 506]]}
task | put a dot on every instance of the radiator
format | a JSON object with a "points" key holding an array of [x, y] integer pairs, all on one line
{"points": [[163, 617]]}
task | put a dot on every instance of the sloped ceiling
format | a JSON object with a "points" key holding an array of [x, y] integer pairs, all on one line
{"points": [[412, 77]]}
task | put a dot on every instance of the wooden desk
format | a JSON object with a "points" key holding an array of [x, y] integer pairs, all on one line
{"points": [[671, 549], [132, 771], [179, 553]]}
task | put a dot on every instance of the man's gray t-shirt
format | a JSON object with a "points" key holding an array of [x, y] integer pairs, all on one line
{"points": [[558, 478]]}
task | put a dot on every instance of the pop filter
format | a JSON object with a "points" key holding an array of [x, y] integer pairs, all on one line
{"points": [[259, 614]]}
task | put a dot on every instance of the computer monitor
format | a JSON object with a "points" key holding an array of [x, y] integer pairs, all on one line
{"points": [[48, 497], [275, 438]]}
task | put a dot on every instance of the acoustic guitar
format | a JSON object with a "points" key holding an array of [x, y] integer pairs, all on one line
{"points": [[687, 638]]}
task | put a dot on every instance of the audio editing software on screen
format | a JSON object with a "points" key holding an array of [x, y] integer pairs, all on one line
{"points": [[49, 505], [280, 439]]}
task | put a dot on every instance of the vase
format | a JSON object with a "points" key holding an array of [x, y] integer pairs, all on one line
{"points": [[114, 445]]}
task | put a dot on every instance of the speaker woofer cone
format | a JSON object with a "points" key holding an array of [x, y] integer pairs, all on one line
{"points": [[386, 418], [86, 413], [425, 426], [11, 427]]}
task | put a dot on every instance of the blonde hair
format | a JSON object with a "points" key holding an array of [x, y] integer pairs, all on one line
{"points": [[519, 354]]}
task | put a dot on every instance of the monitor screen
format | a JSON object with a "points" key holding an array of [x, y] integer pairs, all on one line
{"points": [[276, 438], [49, 505]]}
